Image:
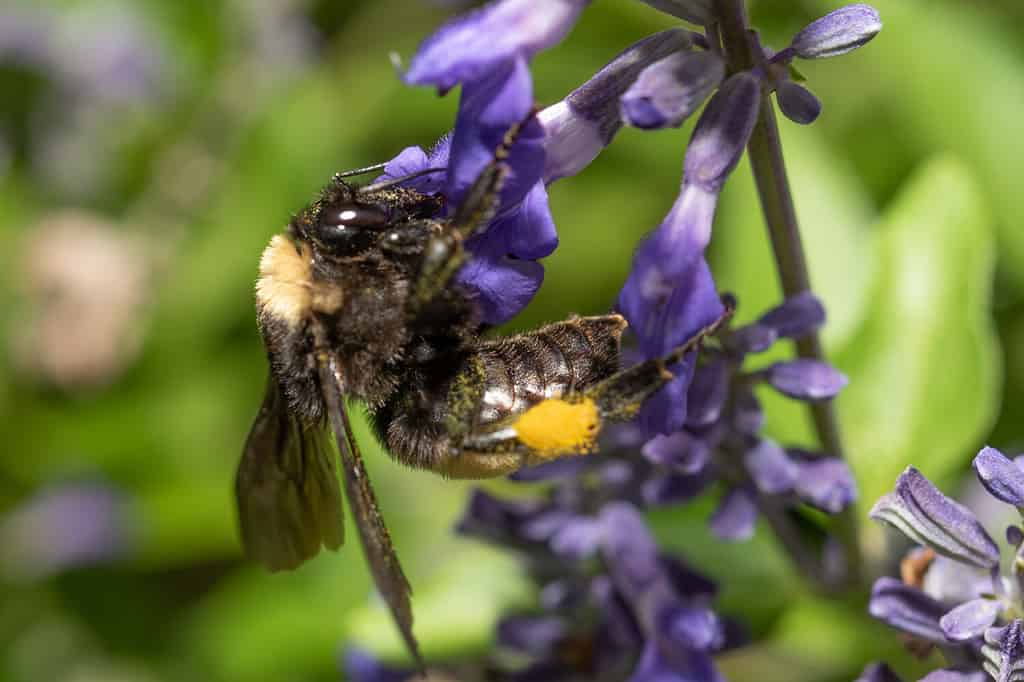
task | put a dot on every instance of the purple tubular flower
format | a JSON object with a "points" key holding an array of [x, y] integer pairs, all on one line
{"points": [[908, 609], [838, 32], [581, 125], [1001, 477], [699, 12], [796, 317], [475, 44], [771, 468], [825, 483], [722, 132], [970, 620], [62, 528], [669, 90], [753, 338], [662, 664], [797, 103], [736, 516], [950, 675], [805, 379], [918, 510], [1003, 652]]}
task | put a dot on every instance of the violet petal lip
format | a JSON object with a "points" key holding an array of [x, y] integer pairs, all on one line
{"points": [[970, 619], [908, 609], [469, 46], [921, 512], [1002, 478], [838, 32]]}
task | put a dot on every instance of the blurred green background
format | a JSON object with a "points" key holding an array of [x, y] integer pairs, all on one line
{"points": [[150, 148]]}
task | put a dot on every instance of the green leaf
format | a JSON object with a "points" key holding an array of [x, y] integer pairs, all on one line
{"points": [[924, 366], [941, 75]]}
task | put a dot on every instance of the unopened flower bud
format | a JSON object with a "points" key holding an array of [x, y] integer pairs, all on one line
{"points": [[838, 32]]}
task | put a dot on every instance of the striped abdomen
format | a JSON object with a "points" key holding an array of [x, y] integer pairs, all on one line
{"points": [[520, 371]]}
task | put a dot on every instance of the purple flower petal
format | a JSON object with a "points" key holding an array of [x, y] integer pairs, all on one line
{"points": [[908, 609], [554, 470], [691, 627], [629, 549], [674, 488], [771, 468], [360, 666], [708, 393], [473, 44], [502, 285], [797, 103], [1001, 477], [582, 124], [736, 516], [795, 317], [665, 411], [753, 338], [950, 675], [826, 483], [749, 418], [535, 635], [667, 664], [1003, 652], [838, 32], [878, 672], [669, 90], [722, 132], [806, 379], [679, 450], [63, 527], [970, 620], [579, 537], [918, 510]]}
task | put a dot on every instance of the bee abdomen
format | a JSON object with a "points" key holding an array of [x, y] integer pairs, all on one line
{"points": [[521, 371]]}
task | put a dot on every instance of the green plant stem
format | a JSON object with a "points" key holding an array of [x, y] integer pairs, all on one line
{"points": [[769, 168]]}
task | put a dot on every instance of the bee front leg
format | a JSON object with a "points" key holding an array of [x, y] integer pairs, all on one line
{"points": [[444, 253]]}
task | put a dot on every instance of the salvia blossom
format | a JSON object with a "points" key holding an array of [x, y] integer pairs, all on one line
{"points": [[952, 594]]}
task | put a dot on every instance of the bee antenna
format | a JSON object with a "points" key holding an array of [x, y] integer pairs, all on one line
{"points": [[360, 171], [384, 184]]}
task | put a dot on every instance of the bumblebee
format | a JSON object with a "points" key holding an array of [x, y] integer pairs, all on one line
{"points": [[358, 301]]}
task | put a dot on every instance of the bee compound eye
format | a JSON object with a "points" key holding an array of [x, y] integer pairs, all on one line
{"points": [[349, 229]]}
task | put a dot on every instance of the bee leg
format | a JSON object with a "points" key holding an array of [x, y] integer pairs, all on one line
{"points": [[444, 253], [570, 425]]}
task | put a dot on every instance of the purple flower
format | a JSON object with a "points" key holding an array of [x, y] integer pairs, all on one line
{"points": [[736, 516], [908, 609], [970, 620], [797, 103], [796, 317], [825, 483], [700, 12], [669, 90], [838, 32], [582, 124], [771, 468], [476, 44], [1003, 479], [922, 513], [806, 379], [64, 527], [1004, 652]]}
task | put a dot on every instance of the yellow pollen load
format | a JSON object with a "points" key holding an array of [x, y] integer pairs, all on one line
{"points": [[555, 427]]}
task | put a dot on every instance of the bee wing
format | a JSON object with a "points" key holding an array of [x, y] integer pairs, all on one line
{"points": [[380, 554], [289, 500]]}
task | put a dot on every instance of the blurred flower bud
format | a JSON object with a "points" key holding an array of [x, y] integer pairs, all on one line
{"points": [[806, 379]]}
